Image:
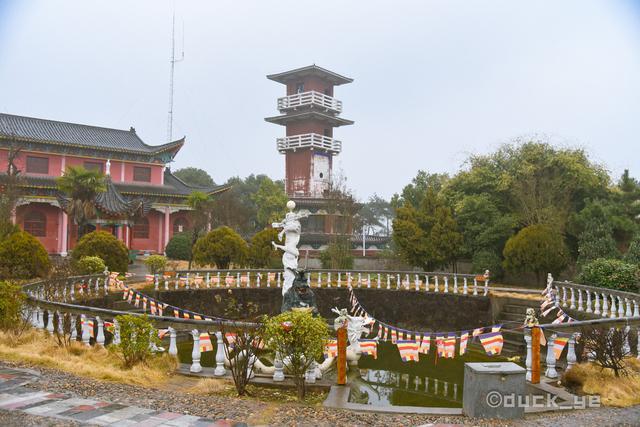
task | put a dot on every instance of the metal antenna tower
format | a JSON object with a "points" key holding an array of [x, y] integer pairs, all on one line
{"points": [[171, 73]]}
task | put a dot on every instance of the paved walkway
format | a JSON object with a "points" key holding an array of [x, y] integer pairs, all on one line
{"points": [[14, 396]]}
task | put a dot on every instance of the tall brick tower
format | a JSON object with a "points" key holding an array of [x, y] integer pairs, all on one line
{"points": [[310, 113]]}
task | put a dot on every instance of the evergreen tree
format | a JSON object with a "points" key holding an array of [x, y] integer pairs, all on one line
{"points": [[633, 254], [596, 241]]}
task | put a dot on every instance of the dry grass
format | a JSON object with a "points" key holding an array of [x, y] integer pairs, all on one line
{"points": [[518, 295], [36, 348], [589, 378], [211, 386]]}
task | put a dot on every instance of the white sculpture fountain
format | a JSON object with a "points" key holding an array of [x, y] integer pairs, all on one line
{"points": [[291, 230]]}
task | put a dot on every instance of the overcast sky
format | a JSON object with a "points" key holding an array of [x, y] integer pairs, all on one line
{"points": [[434, 82]]}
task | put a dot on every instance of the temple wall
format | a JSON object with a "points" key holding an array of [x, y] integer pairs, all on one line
{"points": [[52, 229]]}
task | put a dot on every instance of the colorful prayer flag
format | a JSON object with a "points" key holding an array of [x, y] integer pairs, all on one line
{"points": [[137, 303], [331, 349], [205, 342], [130, 297], [386, 334], [492, 342], [496, 328], [369, 347], [152, 307], [440, 345], [394, 336], [425, 344], [560, 318], [464, 340], [408, 350], [148, 278], [476, 332], [558, 346], [450, 346]]}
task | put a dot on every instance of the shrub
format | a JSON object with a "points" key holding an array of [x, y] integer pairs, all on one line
{"points": [[611, 274], [11, 307], [179, 247], [90, 265], [538, 249], [221, 247], [137, 335], [338, 255], [104, 245], [22, 256], [633, 254], [487, 260], [261, 252], [596, 241], [155, 264], [300, 338]]}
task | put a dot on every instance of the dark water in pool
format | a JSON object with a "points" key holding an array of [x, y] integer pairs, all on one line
{"points": [[388, 380]]}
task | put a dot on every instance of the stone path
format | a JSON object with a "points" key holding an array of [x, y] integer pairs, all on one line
{"points": [[14, 396]]}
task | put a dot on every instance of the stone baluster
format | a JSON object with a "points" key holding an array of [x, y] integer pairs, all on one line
{"points": [[248, 279], [465, 287], [177, 282], [238, 280], [627, 312], [455, 391], [589, 309], [86, 336], [173, 347], [605, 306], [328, 279], [34, 317], [368, 280], [195, 354], [166, 284], [218, 277], [220, 370], [445, 391], [435, 284], [100, 334], [416, 282], [564, 296], [416, 383], [626, 348], [571, 351], [426, 283], [40, 318], [435, 385], [339, 279], [426, 384], [49, 321], [612, 314], [72, 327], [116, 332], [60, 328], [455, 283], [278, 279], [527, 363], [388, 282], [187, 283], [620, 307], [349, 279], [196, 281], [258, 279], [580, 302], [319, 279], [359, 280], [378, 281], [64, 294], [572, 301], [636, 311], [398, 281], [596, 309], [208, 280], [486, 287], [475, 286], [551, 359], [72, 291], [446, 284], [87, 285], [156, 282], [278, 371], [96, 283]]}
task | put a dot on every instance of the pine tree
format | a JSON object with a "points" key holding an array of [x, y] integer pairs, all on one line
{"points": [[596, 241]]}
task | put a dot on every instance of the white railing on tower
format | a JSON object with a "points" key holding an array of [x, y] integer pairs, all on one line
{"points": [[309, 140], [309, 98]]}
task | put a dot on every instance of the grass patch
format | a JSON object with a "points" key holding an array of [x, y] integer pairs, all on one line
{"points": [[517, 295], [589, 378], [37, 348]]}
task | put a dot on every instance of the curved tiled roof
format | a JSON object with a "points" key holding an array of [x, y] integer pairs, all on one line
{"points": [[63, 133]]}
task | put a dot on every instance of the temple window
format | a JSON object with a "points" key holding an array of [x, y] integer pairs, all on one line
{"points": [[180, 225], [35, 223], [94, 166], [38, 165], [142, 174], [141, 229]]}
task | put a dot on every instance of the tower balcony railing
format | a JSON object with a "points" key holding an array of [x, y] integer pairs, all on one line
{"points": [[309, 140], [310, 98]]}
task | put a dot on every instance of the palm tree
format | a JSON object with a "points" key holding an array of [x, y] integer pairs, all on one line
{"points": [[200, 214], [81, 187]]}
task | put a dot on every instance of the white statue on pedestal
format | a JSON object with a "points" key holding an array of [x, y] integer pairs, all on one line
{"points": [[291, 230]]}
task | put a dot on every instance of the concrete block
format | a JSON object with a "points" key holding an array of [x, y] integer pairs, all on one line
{"points": [[494, 390]]}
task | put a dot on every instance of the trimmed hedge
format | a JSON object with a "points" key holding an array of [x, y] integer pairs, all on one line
{"points": [[22, 256], [90, 265], [611, 274], [179, 247], [104, 245]]}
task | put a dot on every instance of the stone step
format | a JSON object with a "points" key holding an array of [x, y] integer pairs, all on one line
{"points": [[512, 317], [518, 308]]}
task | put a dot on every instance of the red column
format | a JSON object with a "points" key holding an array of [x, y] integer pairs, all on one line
{"points": [[167, 221]]}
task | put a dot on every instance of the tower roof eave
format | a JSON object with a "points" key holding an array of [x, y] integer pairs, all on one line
{"points": [[287, 76], [333, 120]]}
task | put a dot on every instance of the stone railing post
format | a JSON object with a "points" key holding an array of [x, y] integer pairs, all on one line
{"points": [[626, 348], [378, 281], [339, 279], [551, 359], [636, 310], [527, 362], [572, 301], [388, 282], [49, 321], [486, 287], [475, 286], [589, 310], [571, 351], [195, 354], [580, 303], [612, 315], [208, 280], [86, 336], [220, 370], [278, 372], [173, 347], [620, 307], [597, 304], [34, 317], [100, 334], [465, 287], [156, 282], [446, 284], [72, 325], [564, 296], [310, 375], [116, 332], [60, 323], [605, 306], [627, 312], [455, 284]]}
